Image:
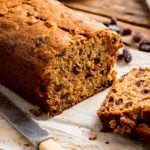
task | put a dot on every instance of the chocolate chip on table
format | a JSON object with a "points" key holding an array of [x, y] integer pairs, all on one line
{"points": [[113, 21], [144, 46], [137, 37], [126, 31], [127, 56], [120, 56]]}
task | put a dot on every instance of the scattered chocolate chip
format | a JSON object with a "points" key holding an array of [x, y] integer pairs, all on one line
{"points": [[111, 99], [106, 23], [65, 95], [61, 54], [115, 28], [114, 90], [39, 41], [127, 56], [107, 142], [96, 60], [103, 72], [89, 74], [76, 69], [119, 101], [128, 104], [126, 31], [58, 87], [145, 46], [113, 21], [120, 56], [146, 91], [137, 37]]}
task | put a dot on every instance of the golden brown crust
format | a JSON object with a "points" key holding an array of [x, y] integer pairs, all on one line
{"points": [[126, 109], [47, 51]]}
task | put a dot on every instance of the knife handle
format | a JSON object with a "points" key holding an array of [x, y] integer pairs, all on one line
{"points": [[49, 144]]}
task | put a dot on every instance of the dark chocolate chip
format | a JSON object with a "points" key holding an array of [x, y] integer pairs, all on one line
{"points": [[61, 54], [111, 99], [113, 21], [137, 37], [145, 46], [114, 90], [119, 101], [108, 83], [76, 69], [128, 104], [58, 87], [96, 60], [139, 83], [120, 56], [89, 74], [65, 95], [127, 56], [39, 41], [146, 91], [126, 31]]}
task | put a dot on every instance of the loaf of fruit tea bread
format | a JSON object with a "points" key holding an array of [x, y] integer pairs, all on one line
{"points": [[126, 109], [53, 56]]}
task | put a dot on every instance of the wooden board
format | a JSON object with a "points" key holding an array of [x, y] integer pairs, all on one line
{"points": [[130, 11]]}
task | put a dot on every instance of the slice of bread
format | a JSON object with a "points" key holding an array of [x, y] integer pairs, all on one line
{"points": [[126, 109]]}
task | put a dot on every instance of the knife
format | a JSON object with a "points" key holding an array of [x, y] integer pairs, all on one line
{"points": [[39, 137]]}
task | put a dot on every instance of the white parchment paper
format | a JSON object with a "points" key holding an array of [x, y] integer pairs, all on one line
{"points": [[73, 128]]}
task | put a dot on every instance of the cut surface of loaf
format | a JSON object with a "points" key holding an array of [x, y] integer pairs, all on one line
{"points": [[126, 109], [53, 56]]}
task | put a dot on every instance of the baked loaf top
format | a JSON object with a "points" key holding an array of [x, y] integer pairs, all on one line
{"points": [[126, 109]]}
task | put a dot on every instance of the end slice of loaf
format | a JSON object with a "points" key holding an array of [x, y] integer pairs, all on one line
{"points": [[126, 109], [53, 56]]}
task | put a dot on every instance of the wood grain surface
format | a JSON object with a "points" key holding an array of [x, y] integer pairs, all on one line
{"points": [[130, 11]]}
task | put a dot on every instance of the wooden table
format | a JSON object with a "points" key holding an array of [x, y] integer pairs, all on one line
{"points": [[133, 14]]}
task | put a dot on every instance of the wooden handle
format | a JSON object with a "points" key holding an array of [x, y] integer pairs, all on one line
{"points": [[49, 145]]}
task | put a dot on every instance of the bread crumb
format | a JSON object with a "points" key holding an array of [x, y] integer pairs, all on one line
{"points": [[36, 111], [107, 142], [27, 144], [94, 137]]}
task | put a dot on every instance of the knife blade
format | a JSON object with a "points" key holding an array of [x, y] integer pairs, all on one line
{"points": [[38, 136]]}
